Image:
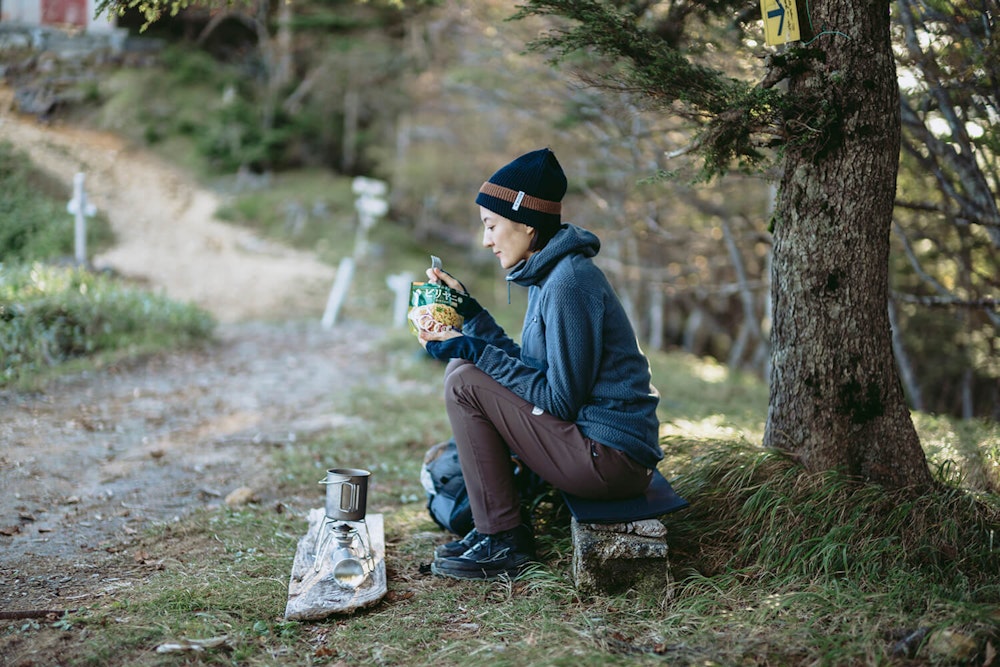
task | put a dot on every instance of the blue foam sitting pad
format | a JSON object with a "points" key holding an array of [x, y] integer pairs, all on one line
{"points": [[659, 498]]}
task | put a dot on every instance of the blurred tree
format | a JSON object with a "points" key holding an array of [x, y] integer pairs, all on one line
{"points": [[690, 261], [830, 105], [698, 299], [481, 99], [947, 222], [319, 84]]}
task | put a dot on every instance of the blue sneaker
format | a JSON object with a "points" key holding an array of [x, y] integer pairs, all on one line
{"points": [[458, 547], [492, 557]]}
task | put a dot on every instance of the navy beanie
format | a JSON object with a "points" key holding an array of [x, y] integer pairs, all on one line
{"points": [[528, 190]]}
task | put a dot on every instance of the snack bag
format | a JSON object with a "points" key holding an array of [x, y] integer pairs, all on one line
{"points": [[432, 308]]}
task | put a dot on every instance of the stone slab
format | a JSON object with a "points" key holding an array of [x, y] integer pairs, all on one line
{"points": [[610, 559], [314, 594]]}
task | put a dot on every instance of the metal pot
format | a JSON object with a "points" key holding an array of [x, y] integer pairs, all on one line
{"points": [[346, 493]]}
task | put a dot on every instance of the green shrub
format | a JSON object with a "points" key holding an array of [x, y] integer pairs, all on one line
{"points": [[189, 66], [235, 135], [50, 315]]}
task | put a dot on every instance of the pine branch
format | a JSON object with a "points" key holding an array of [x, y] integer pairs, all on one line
{"points": [[732, 115], [663, 72]]}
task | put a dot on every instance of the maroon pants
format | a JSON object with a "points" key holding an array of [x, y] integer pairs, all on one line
{"points": [[489, 423]]}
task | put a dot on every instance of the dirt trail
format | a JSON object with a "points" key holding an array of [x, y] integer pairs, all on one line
{"points": [[166, 229], [89, 462]]}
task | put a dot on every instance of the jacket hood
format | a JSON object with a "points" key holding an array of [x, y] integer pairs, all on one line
{"points": [[569, 240]]}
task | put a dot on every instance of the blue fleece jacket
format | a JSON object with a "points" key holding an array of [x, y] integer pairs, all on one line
{"points": [[578, 358]]}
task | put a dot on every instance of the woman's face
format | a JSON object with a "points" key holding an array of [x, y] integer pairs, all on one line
{"points": [[508, 240]]}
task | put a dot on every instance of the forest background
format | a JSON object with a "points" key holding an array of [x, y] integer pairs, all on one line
{"points": [[774, 563], [432, 96]]}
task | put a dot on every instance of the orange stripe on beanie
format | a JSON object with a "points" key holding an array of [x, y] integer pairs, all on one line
{"points": [[527, 190]]}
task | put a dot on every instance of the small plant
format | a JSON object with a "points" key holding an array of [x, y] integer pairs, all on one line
{"points": [[64, 624], [51, 315], [33, 210]]}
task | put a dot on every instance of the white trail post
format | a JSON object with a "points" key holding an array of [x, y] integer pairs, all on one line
{"points": [[341, 285], [400, 283], [370, 205], [81, 210]]}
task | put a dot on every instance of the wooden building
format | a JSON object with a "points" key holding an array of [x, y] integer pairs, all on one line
{"points": [[65, 14]]}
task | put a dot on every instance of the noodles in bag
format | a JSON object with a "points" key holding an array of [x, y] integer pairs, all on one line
{"points": [[432, 308]]}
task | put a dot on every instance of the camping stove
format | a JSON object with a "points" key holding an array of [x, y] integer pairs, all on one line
{"points": [[344, 537]]}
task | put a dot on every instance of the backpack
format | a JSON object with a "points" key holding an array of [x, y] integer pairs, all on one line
{"points": [[447, 498]]}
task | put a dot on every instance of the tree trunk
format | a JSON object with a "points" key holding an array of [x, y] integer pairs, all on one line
{"points": [[836, 400], [352, 114]]}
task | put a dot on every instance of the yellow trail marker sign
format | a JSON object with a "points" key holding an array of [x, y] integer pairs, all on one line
{"points": [[781, 21]]}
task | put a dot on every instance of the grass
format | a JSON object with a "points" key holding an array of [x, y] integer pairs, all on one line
{"points": [[56, 317], [34, 224], [771, 565], [311, 209]]}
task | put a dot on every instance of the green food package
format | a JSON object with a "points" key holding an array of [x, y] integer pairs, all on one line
{"points": [[433, 308]]}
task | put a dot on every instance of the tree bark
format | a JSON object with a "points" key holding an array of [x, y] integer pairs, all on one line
{"points": [[836, 399]]}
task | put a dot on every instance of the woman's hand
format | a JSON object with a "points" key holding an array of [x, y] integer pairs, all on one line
{"points": [[426, 336], [466, 306], [441, 276]]}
